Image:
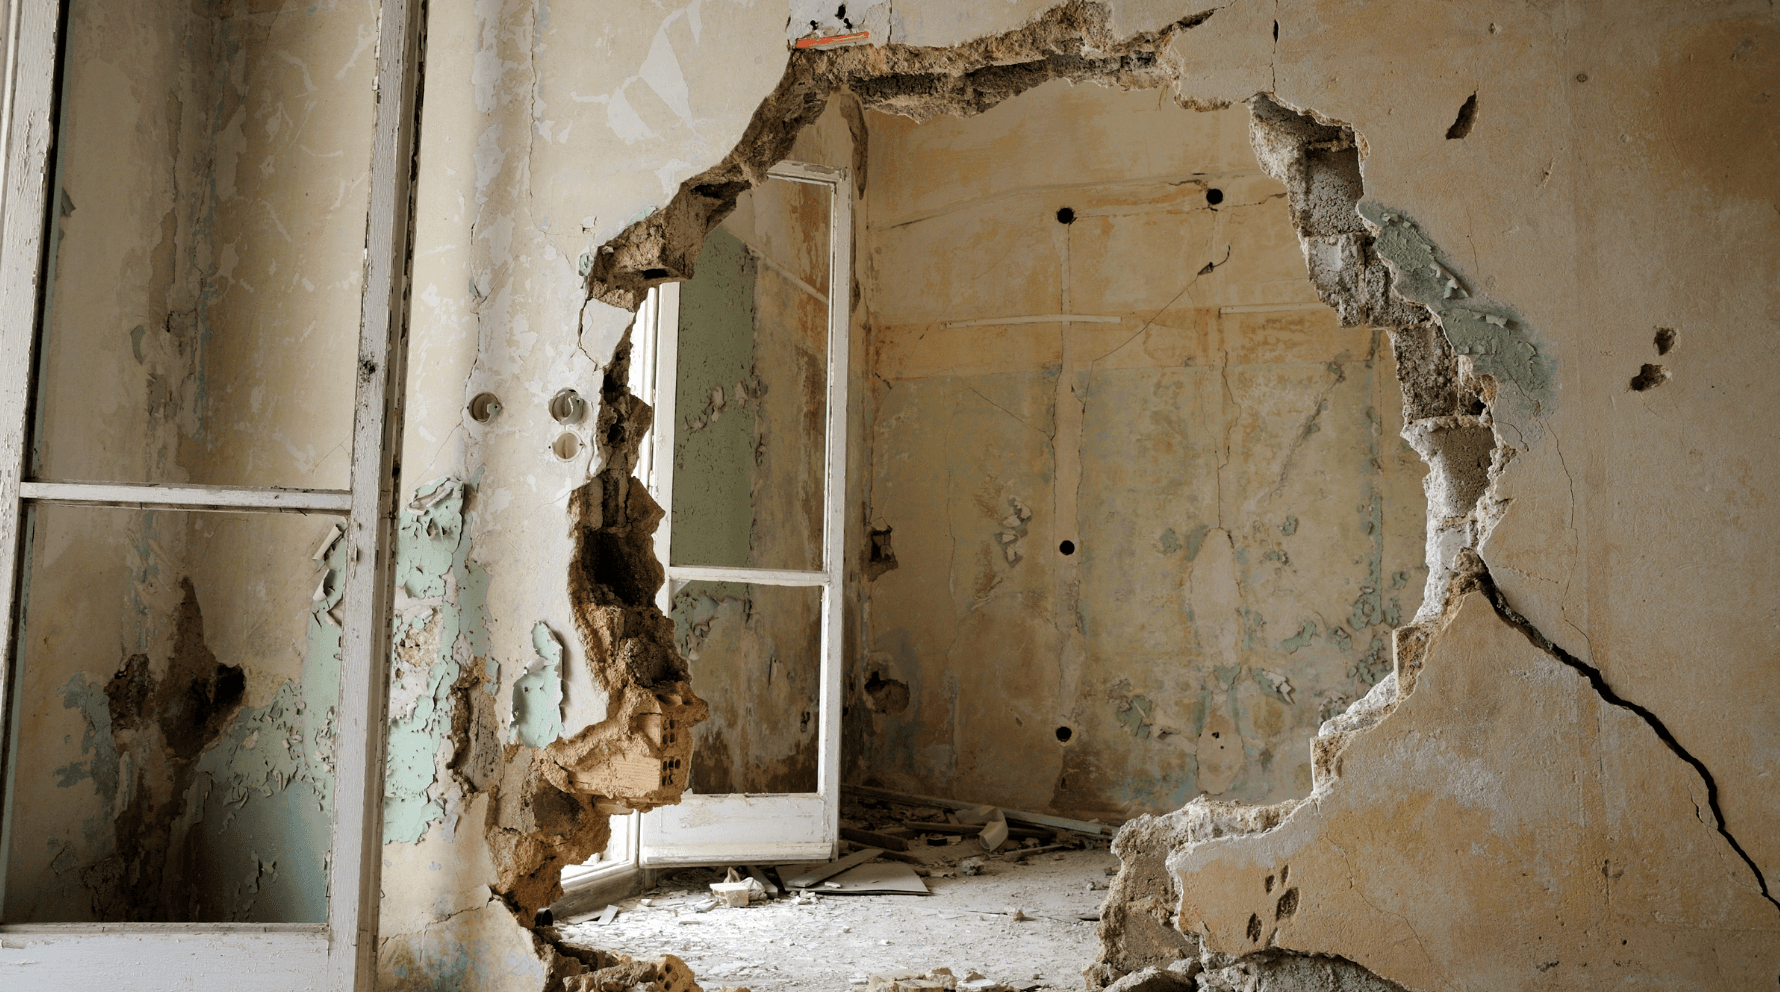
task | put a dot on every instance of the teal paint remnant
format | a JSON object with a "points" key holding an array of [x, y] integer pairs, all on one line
{"points": [[697, 605], [442, 628], [1494, 335], [102, 768], [1169, 543], [1368, 607], [1375, 664], [1226, 674], [1290, 527], [1302, 638], [1342, 640], [1196, 540], [1252, 626], [1134, 716], [1272, 684], [537, 695]]}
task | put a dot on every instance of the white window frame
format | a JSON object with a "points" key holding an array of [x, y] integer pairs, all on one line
{"points": [[339, 955], [739, 827]]}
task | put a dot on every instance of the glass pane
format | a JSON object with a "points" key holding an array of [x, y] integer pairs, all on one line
{"points": [[752, 386], [179, 673], [208, 248], [756, 654]]}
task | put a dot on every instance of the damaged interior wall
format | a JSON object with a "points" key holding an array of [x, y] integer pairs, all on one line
{"points": [[1503, 152], [179, 671], [1152, 524], [1628, 530]]}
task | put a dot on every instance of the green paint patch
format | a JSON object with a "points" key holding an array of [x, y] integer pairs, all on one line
{"points": [[1290, 527], [1301, 639], [714, 442], [1134, 716], [1368, 606], [435, 636], [537, 695], [1196, 540], [1375, 664], [1343, 641], [1226, 674], [1495, 337], [1169, 543]]}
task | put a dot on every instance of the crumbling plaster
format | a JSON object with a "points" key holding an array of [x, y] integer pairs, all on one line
{"points": [[1542, 204], [1632, 528]]}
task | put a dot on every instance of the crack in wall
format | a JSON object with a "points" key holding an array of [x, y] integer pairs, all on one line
{"points": [[1598, 681]]}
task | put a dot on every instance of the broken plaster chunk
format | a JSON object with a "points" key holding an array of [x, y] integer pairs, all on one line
{"points": [[1013, 556], [327, 543], [1008, 537], [1281, 684]]}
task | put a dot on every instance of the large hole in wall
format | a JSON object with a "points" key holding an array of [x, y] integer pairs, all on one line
{"points": [[1145, 483], [1145, 476]]}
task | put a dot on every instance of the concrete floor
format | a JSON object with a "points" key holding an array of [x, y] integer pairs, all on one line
{"points": [[837, 942]]}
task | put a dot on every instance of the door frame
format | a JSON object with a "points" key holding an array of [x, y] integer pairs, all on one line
{"points": [[339, 955], [753, 827]]}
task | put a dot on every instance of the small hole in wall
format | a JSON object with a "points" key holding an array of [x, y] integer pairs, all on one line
{"points": [[1214, 196], [484, 407], [566, 447], [1066, 215], [1649, 377], [1064, 734], [1665, 340], [1067, 547], [1462, 125], [567, 407], [655, 273]]}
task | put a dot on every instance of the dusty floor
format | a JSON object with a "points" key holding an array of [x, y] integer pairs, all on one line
{"points": [[837, 942]]}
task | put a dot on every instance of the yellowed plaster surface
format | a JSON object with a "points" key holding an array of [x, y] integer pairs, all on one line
{"points": [[1490, 839], [1213, 445]]}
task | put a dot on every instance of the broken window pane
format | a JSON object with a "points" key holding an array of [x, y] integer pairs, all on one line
{"points": [[207, 248], [756, 656], [179, 673], [752, 386]]}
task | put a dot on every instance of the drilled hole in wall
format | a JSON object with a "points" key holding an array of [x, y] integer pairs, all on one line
{"points": [[1649, 377], [1461, 126], [1066, 215], [1064, 734], [1067, 547], [566, 446], [1214, 196], [567, 407], [484, 407]]}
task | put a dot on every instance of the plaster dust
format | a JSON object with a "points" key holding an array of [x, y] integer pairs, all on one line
{"points": [[836, 942]]}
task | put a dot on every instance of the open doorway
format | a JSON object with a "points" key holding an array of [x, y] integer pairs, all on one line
{"points": [[1128, 521]]}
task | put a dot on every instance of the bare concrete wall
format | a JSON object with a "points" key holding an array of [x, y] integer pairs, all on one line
{"points": [[1244, 527]]}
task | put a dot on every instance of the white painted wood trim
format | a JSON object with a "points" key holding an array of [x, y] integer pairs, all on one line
{"points": [[29, 96], [355, 867], [739, 827], [834, 504], [807, 172], [156, 496], [758, 576], [165, 958], [1037, 318], [805, 826], [666, 390]]}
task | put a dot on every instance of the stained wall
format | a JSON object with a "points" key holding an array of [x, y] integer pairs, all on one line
{"points": [[180, 670], [1245, 528]]}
